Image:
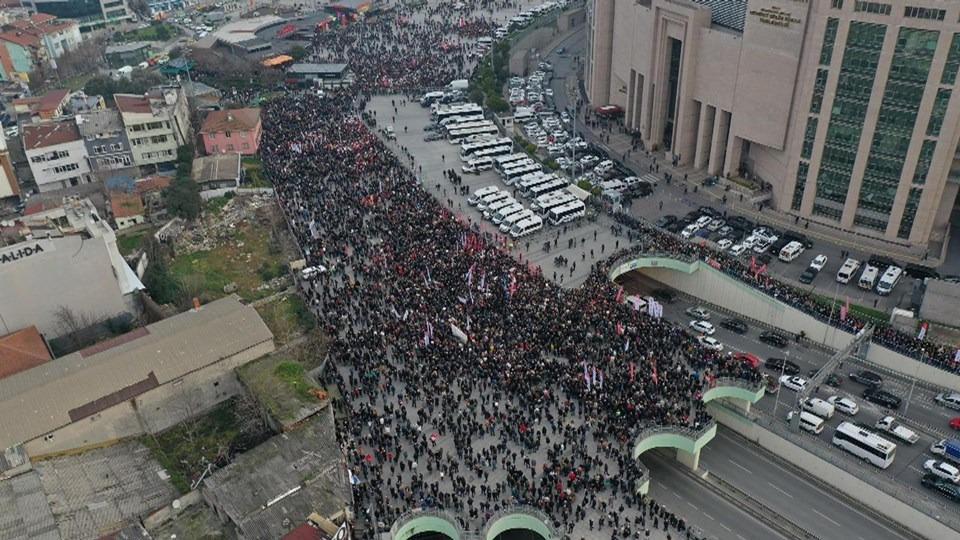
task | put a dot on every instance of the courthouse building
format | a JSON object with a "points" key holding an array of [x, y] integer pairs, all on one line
{"points": [[845, 107]]}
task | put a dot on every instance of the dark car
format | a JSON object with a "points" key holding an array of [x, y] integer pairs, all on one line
{"points": [[917, 271], [868, 378], [777, 246], [882, 262], [735, 325], [665, 295], [942, 485], [797, 237], [677, 226], [882, 398], [432, 136], [807, 276], [773, 339], [640, 190], [708, 211], [692, 216], [832, 379], [740, 222], [782, 364]]}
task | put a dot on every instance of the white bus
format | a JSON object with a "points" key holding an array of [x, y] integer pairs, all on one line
{"points": [[477, 165], [496, 206], [452, 121], [517, 165], [517, 172], [565, 214], [528, 226], [506, 212], [467, 149], [512, 219], [493, 152], [503, 162], [481, 193], [457, 136], [527, 181], [467, 125], [447, 111], [865, 445], [558, 198], [485, 202], [547, 187]]}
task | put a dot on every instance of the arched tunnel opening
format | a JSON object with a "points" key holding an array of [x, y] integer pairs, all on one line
{"points": [[430, 535], [518, 534]]}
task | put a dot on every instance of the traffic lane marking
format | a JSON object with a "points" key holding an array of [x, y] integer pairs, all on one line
{"points": [[778, 488], [741, 466], [824, 516]]}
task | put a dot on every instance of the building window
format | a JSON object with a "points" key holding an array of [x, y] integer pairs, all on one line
{"points": [[808, 137], [923, 161], [909, 213], [819, 86], [924, 13], [802, 172], [836, 4], [246, 146], [227, 133], [939, 111], [953, 62], [872, 7], [829, 37]]}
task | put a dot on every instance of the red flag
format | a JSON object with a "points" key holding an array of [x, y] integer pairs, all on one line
{"points": [[844, 310], [633, 370], [619, 295], [620, 329], [753, 264], [653, 364], [714, 263]]}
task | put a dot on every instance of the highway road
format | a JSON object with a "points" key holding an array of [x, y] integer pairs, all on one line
{"points": [[793, 496], [700, 506], [908, 465]]}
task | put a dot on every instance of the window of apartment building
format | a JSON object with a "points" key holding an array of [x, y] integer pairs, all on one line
{"points": [[158, 139], [66, 168], [246, 146], [116, 147], [837, 4], [137, 127], [924, 13], [214, 149], [154, 125], [872, 7], [230, 148]]}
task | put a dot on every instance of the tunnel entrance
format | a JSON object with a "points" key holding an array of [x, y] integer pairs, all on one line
{"points": [[518, 534], [430, 535]]}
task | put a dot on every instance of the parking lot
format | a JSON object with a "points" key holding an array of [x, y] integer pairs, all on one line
{"points": [[581, 243]]}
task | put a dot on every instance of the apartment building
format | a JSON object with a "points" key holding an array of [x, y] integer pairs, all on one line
{"points": [[157, 123]]}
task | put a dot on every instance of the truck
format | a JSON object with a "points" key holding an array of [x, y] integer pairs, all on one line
{"points": [[891, 426], [948, 448]]}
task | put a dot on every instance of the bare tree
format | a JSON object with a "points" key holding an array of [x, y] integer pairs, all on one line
{"points": [[76, 327]]}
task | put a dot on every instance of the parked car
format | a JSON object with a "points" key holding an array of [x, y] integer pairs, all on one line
{"points": [[748, 358], [737, 249], [697, 312], [882, 398], [432, 136], [844, 405], [735, 325], [793, 383], [780, 364], [808, 275], [702, 327], [724, 243], [955, 423], [773, 339], [818, 262], [868, 378]]}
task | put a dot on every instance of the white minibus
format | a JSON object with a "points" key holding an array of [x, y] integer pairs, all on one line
{"points": [[889, 280], [525, 227]]}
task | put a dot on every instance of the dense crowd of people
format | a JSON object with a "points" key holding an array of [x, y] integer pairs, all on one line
{"points": [[442, 335]]}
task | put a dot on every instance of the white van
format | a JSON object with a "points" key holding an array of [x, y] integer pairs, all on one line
{"points": [[846, 272], [889, 280], [496, 206], [637, 303], [478, 165], [506, 212], [430, 97], [818, 407], [485, 41], [486, 201], [513, 219], [525, 227], [869, 277], [808, 422], [791, 251], [474, 199]]}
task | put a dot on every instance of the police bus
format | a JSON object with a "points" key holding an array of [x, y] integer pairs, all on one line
{"points": [[566, 213], [467, 149], [546, 187], [517, 172], [547, 202], [456, 136], [443, 112], [504, 162]]}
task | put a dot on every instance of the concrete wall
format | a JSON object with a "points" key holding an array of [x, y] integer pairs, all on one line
{"points": [[846, 482], [702, 281]]}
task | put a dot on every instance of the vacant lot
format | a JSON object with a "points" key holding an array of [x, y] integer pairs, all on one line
{"points": [[287, 317], [213, 438], [281, 384]]}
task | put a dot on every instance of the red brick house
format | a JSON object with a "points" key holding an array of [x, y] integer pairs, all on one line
{"points": [[234, 131]]}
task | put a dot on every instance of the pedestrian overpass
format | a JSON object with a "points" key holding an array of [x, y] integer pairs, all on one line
{"points": [[517, 522]]}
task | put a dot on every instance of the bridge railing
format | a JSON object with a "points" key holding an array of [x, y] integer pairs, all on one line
{"points": [[417, 513], [522, 509], [753, 386]]}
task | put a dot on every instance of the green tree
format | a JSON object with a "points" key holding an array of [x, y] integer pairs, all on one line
{"points": [[298, 53], [183, 196], [164, 287]]}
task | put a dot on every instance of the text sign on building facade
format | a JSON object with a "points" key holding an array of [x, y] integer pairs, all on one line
{"points": [[23, 250], [775, 16]]}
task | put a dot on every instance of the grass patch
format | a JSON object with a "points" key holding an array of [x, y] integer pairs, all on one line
{"points": [[253, 169], [216, 204], [243, 260], [287, 317], [279, 382], [863, 312], [130, 243], [185, 449], [154, 32]]}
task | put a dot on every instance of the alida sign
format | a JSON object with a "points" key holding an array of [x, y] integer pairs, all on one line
{"points": [[24, 250]]}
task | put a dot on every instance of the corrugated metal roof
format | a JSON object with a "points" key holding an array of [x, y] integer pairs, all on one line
{"points": [[38, 401], [727, 13]]}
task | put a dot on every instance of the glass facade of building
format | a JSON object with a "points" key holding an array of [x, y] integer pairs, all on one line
{"points": [[673, 89], [906, 82], [855, 83]]}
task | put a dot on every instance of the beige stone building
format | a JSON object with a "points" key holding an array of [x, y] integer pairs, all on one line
{"points": [[157, 123], [845, 107]]}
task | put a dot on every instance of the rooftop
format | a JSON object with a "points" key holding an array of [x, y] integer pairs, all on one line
{"points": [[152, 183], [99, 121], [216, 168], [22, 350], [54, 394], [125, 205], [46, 134], [231, 120], [132, 103], [48, 102], [273, 488]]}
